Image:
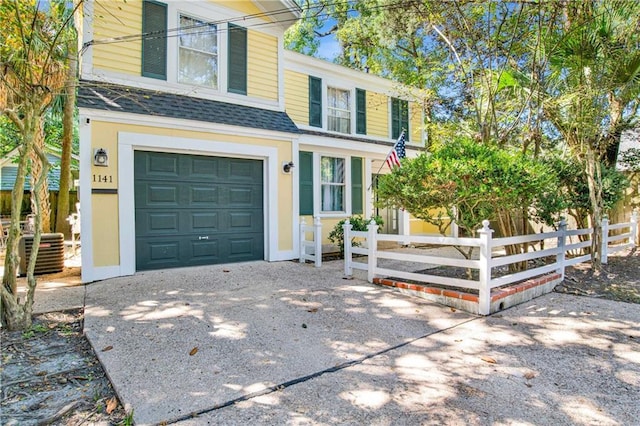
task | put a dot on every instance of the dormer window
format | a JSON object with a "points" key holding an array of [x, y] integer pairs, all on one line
{"points": [[198, 52], [338, 110]]}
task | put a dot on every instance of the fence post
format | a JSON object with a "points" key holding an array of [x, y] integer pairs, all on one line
{"points": [[604, 242], [634, 228], [562, 238], [372, 248], [346, 229], [303, 225], [484, 296], [317, 240]]}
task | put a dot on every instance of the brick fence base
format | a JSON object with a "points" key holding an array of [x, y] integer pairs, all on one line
{"points": [[501, 298]]}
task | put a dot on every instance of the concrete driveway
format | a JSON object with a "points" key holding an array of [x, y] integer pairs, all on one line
{"points": [[284, 343]]}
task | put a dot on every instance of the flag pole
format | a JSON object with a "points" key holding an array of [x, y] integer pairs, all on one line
{"points": [[385, 159]]}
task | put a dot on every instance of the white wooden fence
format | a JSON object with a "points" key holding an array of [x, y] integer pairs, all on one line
{"points": [[311, 250], [487, 259]]}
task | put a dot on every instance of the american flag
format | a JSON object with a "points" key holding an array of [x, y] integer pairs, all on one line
{"points": [[397, 152]]}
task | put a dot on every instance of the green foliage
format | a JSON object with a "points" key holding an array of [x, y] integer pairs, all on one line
{"points": [[358, 223], [573, 189], [471, 181], [9, 137]]}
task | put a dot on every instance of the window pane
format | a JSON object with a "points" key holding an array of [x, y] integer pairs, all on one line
{"points": [[198, 68], [198, 53], [332, 170], [332, 188], [338, 110], [198, 35], [332, 198]]}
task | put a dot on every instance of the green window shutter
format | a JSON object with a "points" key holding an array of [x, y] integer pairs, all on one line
{"points": [[315, 102], [361, 112], [237, 72], [154, 46], [395, 118], [305, 167], [399, 118], [404, 118], [356, 185]]}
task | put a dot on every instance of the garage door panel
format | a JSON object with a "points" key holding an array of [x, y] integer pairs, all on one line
{"points": [[161, 165], [202, 195], [205, 221], [244, 171], [195, 210], [243, 221], [154, 194], [199, 167], [163, 251], [241, 248], [204, 250], [163, 222]]}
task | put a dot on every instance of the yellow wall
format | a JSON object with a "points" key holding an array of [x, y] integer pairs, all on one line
{"points": [[106, 243], [418, 226], [377, 115], [245, 7], [296, 94], [117, 18], [105, 206], [262, 67], [415, 118]]}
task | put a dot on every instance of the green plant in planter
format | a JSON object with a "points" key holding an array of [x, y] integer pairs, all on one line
{"points": [[358, 223]]}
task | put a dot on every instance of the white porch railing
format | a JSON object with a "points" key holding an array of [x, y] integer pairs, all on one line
{"points": [[311, 250], [486, 261]]}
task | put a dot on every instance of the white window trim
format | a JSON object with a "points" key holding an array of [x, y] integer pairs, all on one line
{"points": [[317, 185], [173, 48]]}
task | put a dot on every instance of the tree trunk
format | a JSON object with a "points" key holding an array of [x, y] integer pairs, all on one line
{"points": [[13, 315], [38, 165], [594, 181], [62, 208]]}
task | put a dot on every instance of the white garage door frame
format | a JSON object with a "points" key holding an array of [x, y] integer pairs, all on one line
{"points": [[130, 142]]}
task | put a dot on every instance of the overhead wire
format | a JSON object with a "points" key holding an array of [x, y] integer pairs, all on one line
{"points": [[178, 31]]}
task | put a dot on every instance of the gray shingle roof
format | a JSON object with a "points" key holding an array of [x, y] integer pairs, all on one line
{"points": [[112, 97]]}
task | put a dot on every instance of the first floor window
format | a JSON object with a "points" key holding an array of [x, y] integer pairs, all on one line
{"points": [[198, 53], [332, 184], [338, 110]]}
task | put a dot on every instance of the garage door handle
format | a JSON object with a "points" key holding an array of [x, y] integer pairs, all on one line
{"points": [[204, 238]]}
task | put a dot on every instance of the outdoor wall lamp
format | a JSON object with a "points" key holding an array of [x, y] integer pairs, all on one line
{"points": [[286, 167], [100, 157]]}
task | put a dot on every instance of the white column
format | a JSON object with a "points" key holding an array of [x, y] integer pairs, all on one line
{"points": [[484, 297]]}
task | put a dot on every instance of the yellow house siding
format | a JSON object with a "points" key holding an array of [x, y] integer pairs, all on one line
{"points": [[244, 7], [117, 19], [377, 115], [262, 67], [296, 93], [416, 123], [106, 243]]}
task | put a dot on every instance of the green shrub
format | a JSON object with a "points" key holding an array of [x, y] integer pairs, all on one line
{"points": [[358, 223]]}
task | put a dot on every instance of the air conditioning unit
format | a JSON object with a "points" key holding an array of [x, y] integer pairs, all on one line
{"points": [[50, 254]]}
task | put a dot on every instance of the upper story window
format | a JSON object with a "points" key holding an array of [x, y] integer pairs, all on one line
{"points": [[338, 110], [198, 52], [332, 184]]}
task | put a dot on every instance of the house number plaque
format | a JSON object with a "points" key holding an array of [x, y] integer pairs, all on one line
{"points": [[103, 178]]}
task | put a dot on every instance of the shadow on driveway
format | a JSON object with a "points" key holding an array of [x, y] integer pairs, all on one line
{"points": [[278, 343]]}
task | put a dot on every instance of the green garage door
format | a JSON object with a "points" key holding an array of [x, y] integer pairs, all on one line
{"points": [[197, 210]]}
